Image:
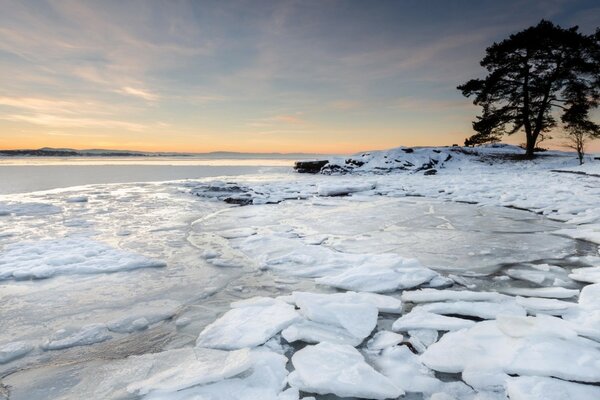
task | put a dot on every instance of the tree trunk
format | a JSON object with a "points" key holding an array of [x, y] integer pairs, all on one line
{"points": [[530, 145]]}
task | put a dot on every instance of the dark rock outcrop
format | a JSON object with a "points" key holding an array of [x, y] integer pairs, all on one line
{"points": [[310, 167]]}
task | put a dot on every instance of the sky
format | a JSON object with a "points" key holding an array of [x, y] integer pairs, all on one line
{"points": [[326, 76]]}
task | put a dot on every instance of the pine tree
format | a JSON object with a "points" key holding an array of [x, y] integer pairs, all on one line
{"points": [[532, 74]]}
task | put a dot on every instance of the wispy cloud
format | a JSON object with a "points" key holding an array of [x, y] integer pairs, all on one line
{"points": [[140, 93]]}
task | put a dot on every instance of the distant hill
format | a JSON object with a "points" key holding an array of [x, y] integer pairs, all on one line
{"points": [[66, 152]]}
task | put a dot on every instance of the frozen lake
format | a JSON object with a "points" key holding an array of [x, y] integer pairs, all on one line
{"points": [[21, 175], [109, 288]]}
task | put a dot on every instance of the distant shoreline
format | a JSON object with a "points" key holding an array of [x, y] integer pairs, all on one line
{"points": [[51, 152]]}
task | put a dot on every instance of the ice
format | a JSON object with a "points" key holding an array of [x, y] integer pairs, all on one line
{"points": [[358, 318], [536, 305], [14, 350], [404, 369], [556, 357], [314, 332], [77, 199], [543, 388], [248, 326], [28, 209], [343, 190], [546, 292], [483, 344], [206, 366], [541, 274], [588, 275], [537, 346], [433, 295], [387, 274], [87, 335], [590, 297], [341, 370], [421, 339], [384, 339], [383, 303], [46, 258], [478, 309], [426, 320]]}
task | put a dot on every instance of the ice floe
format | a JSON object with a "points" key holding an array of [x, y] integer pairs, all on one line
{"points": [[427, 320], [12, 351]]}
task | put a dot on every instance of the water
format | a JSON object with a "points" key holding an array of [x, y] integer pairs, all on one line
{"points": [[22, 175]]}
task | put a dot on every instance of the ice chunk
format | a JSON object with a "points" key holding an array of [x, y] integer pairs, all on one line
{"points": [[556, 357], [314, 332], [382, 277], [12, 351], [589, 275], [479, 309], [483, 343], [590, 297], [383, 303], [542, 325], [358, 318], [46, 258], [77, 199], [207, 366], [421, 339], [264, 379], [542, 388], [343, 189], [87, 335], [403, 368], [341, 370], [432, 295], [144, 314], [384, 339], [426, 320], [545, 292], [248, 326], [536, 305]]}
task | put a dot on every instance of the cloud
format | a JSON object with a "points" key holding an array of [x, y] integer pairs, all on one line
{"points": [[140, 93], [55, 121]]}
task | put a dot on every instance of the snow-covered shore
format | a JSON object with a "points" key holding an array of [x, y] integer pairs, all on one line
{"points": [[376, 283]]}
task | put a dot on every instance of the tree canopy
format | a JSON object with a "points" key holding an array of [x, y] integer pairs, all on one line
{"points": [[531, 76]]}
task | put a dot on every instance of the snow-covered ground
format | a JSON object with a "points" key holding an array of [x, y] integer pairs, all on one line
{"points": [[376, 279]]}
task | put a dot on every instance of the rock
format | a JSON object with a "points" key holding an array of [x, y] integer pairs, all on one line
{"points": [[310, 167], [430, 172]]}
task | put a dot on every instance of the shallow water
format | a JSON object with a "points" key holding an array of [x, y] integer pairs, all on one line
{"points": [[163, 221]]}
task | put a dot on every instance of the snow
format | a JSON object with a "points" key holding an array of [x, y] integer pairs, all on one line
{"points": [[248, 326], [47, 258], [341, 370]]}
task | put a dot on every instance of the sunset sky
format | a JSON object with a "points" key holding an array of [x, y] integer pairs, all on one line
{"points": [[256, 76]]}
